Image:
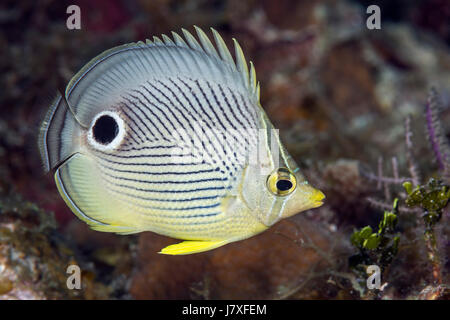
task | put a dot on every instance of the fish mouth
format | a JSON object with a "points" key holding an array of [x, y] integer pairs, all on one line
{"points": [[317, 198]]}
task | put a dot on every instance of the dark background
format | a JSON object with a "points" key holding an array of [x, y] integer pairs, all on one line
{"points": [[338, 92]]}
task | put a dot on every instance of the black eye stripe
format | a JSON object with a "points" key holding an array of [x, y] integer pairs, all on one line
{"points": [[284, 185], [105, 129]]}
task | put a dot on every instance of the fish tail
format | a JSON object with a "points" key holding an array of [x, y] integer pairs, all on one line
{"points": [[56, 134]]}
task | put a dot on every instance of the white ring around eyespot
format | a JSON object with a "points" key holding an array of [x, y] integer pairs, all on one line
{"points": [[116, 141]]}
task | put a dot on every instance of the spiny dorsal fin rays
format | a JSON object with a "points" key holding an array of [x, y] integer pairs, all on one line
{"points": [[253, 83], [218, 50], [223, 50], [206, 43], [241, 63], [191, 40], [157, 41], [179, 40], [258, 91], [141, 44], [167, 40]]}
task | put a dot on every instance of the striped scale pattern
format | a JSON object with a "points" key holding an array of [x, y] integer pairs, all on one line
{"points": [[179, 180], [192, 119]]}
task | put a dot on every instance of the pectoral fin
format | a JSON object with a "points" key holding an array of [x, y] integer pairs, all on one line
{"points": [[189, 247]]}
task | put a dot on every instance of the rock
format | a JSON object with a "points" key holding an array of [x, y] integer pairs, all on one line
{"points": [[266, 266], [34, 257]]}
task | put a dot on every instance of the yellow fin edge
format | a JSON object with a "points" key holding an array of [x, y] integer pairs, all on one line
{"points": [[189, 247]]}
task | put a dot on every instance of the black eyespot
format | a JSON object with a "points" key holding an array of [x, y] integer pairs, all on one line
{"points": [[105, 129], [284, 185]]}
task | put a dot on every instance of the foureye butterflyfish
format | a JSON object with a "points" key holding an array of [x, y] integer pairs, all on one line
{"points": [[169, 136]]}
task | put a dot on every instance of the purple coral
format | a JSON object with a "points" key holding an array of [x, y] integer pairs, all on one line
{"points": [[437, 141]]}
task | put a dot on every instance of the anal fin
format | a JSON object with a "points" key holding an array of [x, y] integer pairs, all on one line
{"points": [[114, 228], [189, 247]]}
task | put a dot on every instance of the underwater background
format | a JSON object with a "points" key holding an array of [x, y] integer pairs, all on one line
{"points": [[361, 111]]}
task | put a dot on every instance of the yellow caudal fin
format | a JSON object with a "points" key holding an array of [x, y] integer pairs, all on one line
{"points": [[189, 247]]}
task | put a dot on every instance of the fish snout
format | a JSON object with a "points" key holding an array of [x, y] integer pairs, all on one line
{"points": [[306, 197], [312, 197], [317, 198]]}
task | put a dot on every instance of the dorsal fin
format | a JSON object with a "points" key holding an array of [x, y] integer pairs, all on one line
{"points": [[218, 50], [167, 40], [179, 40], [241, 65], [193, 43], [225, 54], [157, 41], [206, 43]]}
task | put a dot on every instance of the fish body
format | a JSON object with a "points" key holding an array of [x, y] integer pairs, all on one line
{"points": [[169, 136]]}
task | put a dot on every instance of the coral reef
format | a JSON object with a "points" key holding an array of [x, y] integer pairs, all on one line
{"points": [[268, 266], [34, 257], [431, 199], [338, 92]]}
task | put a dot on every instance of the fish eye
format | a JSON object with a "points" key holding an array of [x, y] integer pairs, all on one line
{"points": [[281, 182], [107, 131], [284, 185]]}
